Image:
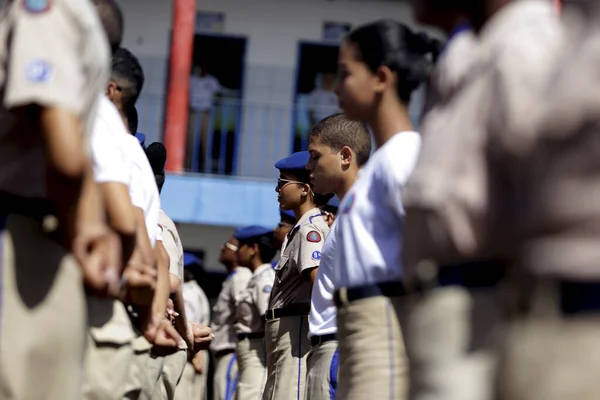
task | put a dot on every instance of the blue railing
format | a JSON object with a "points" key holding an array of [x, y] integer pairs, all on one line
{"points": [[245, 137]]}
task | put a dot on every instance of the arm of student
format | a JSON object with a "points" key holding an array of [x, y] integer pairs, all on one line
{"points": [[310, 251], [121, 217]]}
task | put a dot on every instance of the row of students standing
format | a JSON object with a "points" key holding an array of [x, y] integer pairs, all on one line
{"points": [[415, 259], [97, 323]]}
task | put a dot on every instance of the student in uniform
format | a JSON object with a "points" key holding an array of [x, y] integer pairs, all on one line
{"points": [[223, 319], [381, 64], [156, 330], [287, 317], [109, 352], [462, 238], [338, 148], [194, 379], [51, 212], [255, 252], [174, 364], [456, 339]]}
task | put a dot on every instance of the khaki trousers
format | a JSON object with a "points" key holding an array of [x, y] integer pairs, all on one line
{"points": [[451, 336], [173, 367], [144, 372], [287, 348], [192, 384], [547, 355], [252, 364], [373, 362], [43, 314], [322, 376], [109, 351], [226, 371]]}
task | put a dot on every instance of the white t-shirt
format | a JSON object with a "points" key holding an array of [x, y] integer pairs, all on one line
{"points": [[323, 103], [370, 218], [110, 160], [202, 91], [321, 320], [143, 189]]}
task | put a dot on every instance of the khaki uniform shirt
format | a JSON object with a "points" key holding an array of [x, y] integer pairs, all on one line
{"points": [[197, 308], [560, 175], [172, 243], [53, 55], [301, 251], [457, 197], [224, 310], [255, 301]]}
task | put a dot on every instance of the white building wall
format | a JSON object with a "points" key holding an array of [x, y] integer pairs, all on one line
{"points": [[273, 29]]}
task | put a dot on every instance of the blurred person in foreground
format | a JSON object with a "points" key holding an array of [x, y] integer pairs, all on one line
{"points": [[52, 215], [463, 226]]}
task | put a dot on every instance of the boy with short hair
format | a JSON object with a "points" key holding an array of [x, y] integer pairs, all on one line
{"points": [[338, 149]]}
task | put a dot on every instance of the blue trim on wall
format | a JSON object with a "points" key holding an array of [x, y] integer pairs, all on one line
{"points": [[221, 201]]}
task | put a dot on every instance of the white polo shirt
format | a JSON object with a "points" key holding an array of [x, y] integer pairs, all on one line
{"points": [[321, 320], [143, 189], [323, 103], [117, 156], [110, 160], [370, 218], [202, 91]]}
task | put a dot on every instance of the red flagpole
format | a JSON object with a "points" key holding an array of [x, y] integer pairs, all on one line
{"points": [[182, 48]]}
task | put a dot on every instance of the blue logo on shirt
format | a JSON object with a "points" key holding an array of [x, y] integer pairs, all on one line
{"points": [[347, 204], [36, 6], [316, 255], [267, 289], [38, 71]]}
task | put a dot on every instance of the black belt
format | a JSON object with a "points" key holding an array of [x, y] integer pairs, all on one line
{"points": [[223, 353], [289, 311], [252, 335], [471, 275], [579, 297], [31, 207], [387, 289], [317, 340]]}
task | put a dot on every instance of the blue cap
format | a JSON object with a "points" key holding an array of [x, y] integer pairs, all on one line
{"points": [[295, 162], [334, 202], [141, 138], [190, 258], [252, 231], [287, 214]]}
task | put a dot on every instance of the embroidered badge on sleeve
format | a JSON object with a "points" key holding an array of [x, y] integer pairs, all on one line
{"points": [[316, 255], [313, 237]]}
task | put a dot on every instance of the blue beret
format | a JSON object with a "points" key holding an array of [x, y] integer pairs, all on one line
{"points": [[252, 231], [287, 214], [190, 258], [141, 138], [295, 162], [334, 202]]}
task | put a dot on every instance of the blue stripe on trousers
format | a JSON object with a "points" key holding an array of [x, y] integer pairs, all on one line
{"points": [[229, 388], [300, 356], [333, 373]]}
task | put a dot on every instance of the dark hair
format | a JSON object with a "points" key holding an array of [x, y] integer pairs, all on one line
{"points": [[321, 200], [111, 16], [132, 120], [394, 45], [129, 75], [299, 175], [337, 131], [265, 246], [157, 155]]}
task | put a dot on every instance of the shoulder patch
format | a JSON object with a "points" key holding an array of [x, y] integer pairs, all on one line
{"points": [[37, 6], [347, 206], [316, 255], [38, 71], [267, 289], [313, 237]]}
